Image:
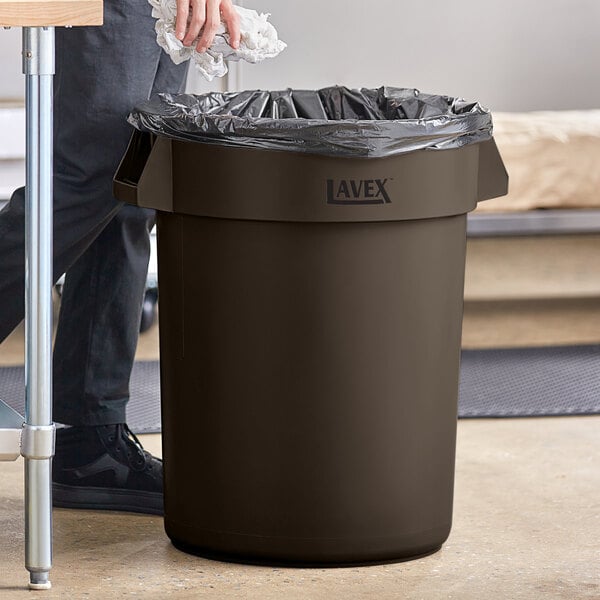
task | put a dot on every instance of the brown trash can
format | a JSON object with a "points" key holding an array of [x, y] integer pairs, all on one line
{"points": [[310, 329]]}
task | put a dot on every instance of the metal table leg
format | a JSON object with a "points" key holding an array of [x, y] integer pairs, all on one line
{"points": [[37, 442]]}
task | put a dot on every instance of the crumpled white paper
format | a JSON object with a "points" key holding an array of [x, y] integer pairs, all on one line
{"points": [[259, 40]]}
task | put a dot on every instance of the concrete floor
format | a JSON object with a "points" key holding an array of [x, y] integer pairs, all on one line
{"points": [[527, 503], [527, 526]]}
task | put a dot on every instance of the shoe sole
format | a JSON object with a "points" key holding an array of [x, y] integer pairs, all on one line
{"points": [[94, 498]]}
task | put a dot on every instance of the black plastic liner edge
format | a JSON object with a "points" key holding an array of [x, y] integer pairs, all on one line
{"points": [[334, 121]]}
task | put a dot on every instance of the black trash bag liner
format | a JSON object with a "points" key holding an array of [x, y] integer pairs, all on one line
{"points": [[334, 121]]}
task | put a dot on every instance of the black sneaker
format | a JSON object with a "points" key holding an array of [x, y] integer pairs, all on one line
{"points": [[105, 468]]}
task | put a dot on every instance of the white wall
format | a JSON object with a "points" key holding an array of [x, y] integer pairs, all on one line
{"points": [[12, 116], [12, 84], [509, 54], [512, 55]]}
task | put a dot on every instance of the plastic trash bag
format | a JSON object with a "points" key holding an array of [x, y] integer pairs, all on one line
{"points": [[335, 121]]}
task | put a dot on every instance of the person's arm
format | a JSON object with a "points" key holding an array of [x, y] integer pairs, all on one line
{"points": [[193, 15]]}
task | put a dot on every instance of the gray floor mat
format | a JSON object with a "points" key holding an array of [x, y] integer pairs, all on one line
{"points": [[143, 410], [494, 383], [530, 382]]}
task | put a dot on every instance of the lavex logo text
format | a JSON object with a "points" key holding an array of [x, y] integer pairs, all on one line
{"points": [[353, 191]]}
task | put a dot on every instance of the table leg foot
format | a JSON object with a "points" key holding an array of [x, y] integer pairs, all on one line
{"points": [[39, 581]]}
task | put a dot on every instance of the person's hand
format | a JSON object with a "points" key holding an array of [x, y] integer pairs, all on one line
{"points": [[193, 15]]}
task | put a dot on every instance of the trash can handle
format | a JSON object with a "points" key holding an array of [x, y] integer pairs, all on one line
{"points": [[493, 177], [146, 166]]}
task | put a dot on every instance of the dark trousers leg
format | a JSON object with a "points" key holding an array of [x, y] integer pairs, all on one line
{"points": [[99, 322], [101, 74]]}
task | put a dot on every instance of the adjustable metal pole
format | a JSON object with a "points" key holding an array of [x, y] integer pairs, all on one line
{"points": [[37, 444]]}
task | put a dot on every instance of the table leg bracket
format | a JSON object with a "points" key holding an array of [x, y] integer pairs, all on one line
{"points": [[38, 442]]}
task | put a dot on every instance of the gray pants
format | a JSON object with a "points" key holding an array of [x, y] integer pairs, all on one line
{"points": [[101, 244]]}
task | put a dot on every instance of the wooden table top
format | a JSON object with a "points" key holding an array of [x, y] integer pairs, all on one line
{"points": [[42, 13]]}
